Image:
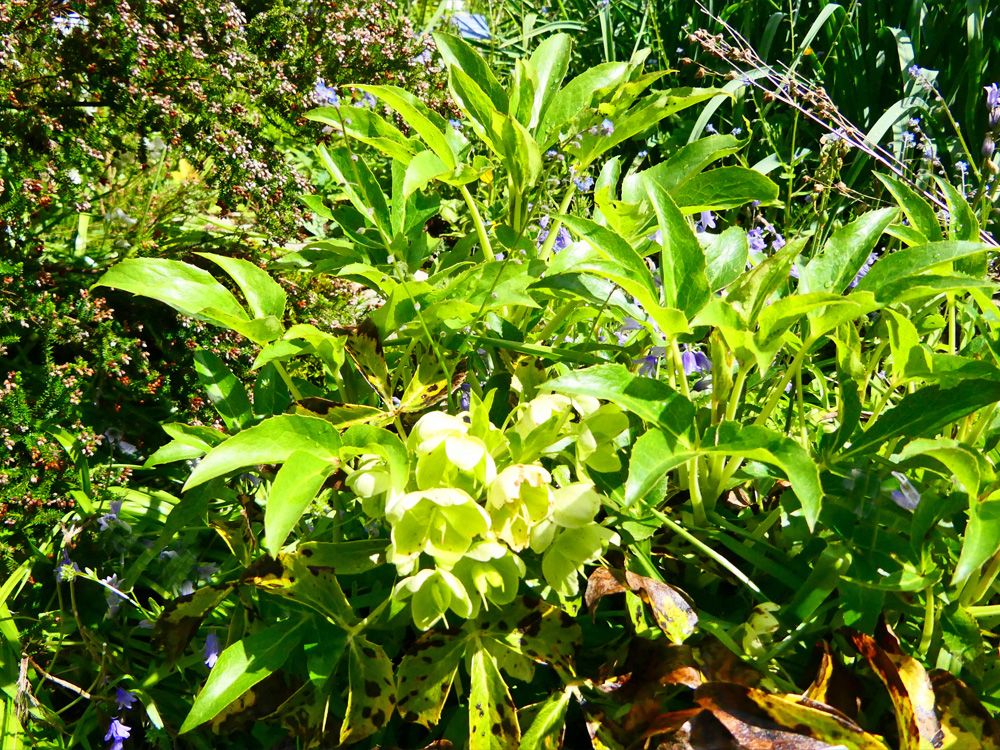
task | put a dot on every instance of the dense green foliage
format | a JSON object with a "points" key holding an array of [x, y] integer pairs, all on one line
{"points": [[556, 416]]}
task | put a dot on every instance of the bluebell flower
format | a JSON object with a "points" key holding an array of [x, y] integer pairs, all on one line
{"points": [[962, 167], [710, 129], [757, 242], [992, 95], [563, 238], [113, 598], [656, 237], [705, 222], [211, 650], [649, 363], [625, 332], [864, 270], [324, 94], [544, 10], [694, 361], [472, 26], [124, 699], [679, 51], [111, 520], [779, 242], [906, 496], [551, 154], [366, 100], [607, 127], [117, 732], [755, 204], [464, 396]]}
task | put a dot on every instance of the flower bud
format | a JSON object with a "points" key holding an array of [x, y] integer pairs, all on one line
{"points": [[989, 147]]}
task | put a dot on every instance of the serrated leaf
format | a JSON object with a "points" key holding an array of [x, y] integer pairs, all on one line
{"points": [[425, 676], [492, 715]]}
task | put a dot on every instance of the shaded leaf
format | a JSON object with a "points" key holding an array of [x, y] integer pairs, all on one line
{"points": [[181, 617]]}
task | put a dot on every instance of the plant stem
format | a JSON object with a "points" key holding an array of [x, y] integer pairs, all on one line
{"points": [[484, 240], [288, 380]]}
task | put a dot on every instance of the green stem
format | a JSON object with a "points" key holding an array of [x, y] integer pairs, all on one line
{"points": [[929, 621], [288, 380], [557, 319], [484, 240]]}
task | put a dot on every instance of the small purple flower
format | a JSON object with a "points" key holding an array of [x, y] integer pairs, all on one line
{"points": [[737, 132], [649, 363], [757, 242], [584, 184], [211, 650], [779, 242], [656, 237], [366, 100], [551, 154], [705, 222], [67, 569], [915, 71], [864, 270], [710, 129], [962, 166], [325, 94], [119, 733], [124, 699], [642, 154], [992, 95], [607, 127], [906, 496], [464, 396], [113, 598], [424, 58], [694, 361], [111, 520], [457, 124], [563, 238]]}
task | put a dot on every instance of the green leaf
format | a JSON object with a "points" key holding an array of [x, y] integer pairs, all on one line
{"points": [[458, 53], [273, 441], [685, 284], [264, 295], [425, 676], [776, 318], [550, 61], [546, 722], [360, 185], [967, 466], [652, 400], [918, 211], [224, 390], [686, 163], [726, 258], [241, 666], [925, 412], [571, 101], [752, 290], [653, 455], [422, 169], [298, 482], [843, 255], [915, 260], [981, 539], [761, 444], [307, 576], [962, 222], [184, 287], [536, 629], [368, 127], [492, 715], [724, 188], [372, 696], [428, 124]]}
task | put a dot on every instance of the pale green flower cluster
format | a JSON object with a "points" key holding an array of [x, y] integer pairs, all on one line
{"points": [[480, 502]]}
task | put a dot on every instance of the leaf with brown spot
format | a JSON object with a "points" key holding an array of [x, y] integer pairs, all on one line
{"points": [[180, 618], [238, 536], [719, 663], [429, 385], [372, 696], [364, 346], [965, 721], [425, 675], [307, 718], [762, 721], [338, 414], [308, 576], [672, 613], [493, 721], [909, 689], [535, 629]]}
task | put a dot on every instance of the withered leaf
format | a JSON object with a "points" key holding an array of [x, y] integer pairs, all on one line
{"points": [[672, 613], [338, 414], [965, 721], [180, 618]]}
